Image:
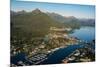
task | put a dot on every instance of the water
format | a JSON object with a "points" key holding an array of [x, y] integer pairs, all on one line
{"points": [[84, 33], [57, 56], [17, 58]]}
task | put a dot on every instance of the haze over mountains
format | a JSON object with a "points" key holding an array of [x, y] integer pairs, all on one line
{"points": [[62, 19], [72, 19], [37, 23]]}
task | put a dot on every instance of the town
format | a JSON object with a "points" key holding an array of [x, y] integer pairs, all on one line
{"points": [[85, 54], [38, 49]]}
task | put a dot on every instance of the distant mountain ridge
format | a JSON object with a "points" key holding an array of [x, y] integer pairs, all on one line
{"points": [[38, 23], [72, 19], [62, 19]]}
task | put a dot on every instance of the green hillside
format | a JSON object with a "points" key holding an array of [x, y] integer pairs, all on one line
{"points": [[31, 24]]}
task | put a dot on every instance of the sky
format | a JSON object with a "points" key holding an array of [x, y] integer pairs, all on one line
{"points": [[79, 11]]}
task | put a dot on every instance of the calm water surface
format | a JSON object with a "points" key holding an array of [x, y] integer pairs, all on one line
{"points": [[84, 33]]}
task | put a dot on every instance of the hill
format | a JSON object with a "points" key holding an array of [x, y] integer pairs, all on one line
{"points": [[72, 21], [35, 23]]}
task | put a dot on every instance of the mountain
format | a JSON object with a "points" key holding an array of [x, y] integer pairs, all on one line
{"points": [[87, 22], [36, 11], [35, 23], [57, 17], [71, 20], [61, 18]]}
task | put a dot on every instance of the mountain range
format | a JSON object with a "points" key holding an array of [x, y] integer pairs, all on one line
{"points": [[37, 23], [71, 20]]}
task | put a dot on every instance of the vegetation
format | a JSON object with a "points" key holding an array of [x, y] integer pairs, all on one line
{"points": [[31, 24]]}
